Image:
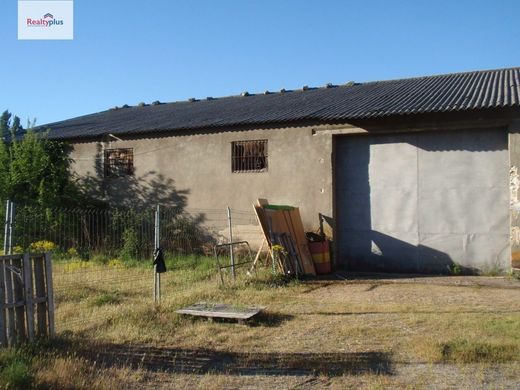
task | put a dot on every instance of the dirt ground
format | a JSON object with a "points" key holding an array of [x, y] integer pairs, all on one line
{"points": [[354, 331]]}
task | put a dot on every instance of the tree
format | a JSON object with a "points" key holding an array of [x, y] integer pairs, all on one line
{"points": [[4, 171], [39, 172], [7, 128], [33, 169], [5, 120]]}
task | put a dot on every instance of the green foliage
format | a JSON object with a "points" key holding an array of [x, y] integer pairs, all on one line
{"points": [[130, 248], [455, 269], [35, 170], [15, 370], [8, 128], [465, 351], [107, 298], [39, 172], [4, 168], [493, 270], [99, 258]]}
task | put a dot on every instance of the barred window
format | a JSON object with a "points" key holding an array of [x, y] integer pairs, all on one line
{"points": [[249, 156], [119, 162]]}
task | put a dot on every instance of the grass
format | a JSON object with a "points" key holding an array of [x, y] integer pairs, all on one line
{"points": [[107, 298], [45, 365], [466, 351], [15, 369], [344, 333]]}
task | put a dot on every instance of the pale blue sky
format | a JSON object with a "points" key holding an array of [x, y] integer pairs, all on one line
{"points": [[128, 51]]}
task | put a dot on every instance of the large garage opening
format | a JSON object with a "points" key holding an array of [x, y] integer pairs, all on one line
{"points": [[422, 202]]}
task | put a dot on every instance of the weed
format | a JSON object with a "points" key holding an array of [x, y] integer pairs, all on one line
{"points": [[43, 246], [15, 370], [455, 269], [75, 265], [514, 274], [130, 244], [99, 259], [108, 298], [465, 351], [492, 270]]}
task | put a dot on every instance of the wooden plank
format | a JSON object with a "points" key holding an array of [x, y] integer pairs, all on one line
{"points": [[3, 317], [17, 304], [19, 311], [261, 217], [262, 202], [28, 293], [219, 310], [281, 225], [50, 293], [12, 257], [292, 241], [289, 222], [257, 257], [40, 296], [11, 333], [301, 241]]}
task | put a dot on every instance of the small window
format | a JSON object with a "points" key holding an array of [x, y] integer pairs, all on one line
{"points": [[119, 162], [249, 156]]}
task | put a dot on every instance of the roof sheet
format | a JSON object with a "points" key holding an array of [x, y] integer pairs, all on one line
{"points": [[442, 93]]}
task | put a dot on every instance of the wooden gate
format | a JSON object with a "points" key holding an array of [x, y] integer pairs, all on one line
{"points": [[26, 298]]}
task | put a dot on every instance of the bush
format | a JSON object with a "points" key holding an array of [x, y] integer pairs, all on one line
{"points": [[43, 246], [73, 252], [16, 376], [130, 248]]}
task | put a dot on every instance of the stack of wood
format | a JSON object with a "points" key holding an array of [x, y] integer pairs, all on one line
{"points": [[284, 234]]}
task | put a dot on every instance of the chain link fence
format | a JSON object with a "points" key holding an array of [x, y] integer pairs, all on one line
{"points": [[102, 258]]}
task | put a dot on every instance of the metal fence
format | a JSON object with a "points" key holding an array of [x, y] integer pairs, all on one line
{"points": [[102, 258]]}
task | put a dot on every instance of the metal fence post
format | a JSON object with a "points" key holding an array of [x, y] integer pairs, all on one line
{"points": [[231, 251], [157, 276]]}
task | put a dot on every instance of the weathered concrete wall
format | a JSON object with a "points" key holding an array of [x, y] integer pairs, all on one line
{"points": [[423, 202], [514, 161], [195, 171]]}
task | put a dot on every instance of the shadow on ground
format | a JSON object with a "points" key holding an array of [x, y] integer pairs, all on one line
{"points": [[202, 361], [379, 279]]}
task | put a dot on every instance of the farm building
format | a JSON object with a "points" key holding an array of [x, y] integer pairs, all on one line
{"points": [[410, 175]]}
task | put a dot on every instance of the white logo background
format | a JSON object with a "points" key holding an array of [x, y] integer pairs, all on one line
{"points": [[61, 10]]}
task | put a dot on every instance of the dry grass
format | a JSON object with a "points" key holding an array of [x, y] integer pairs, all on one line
{"points": [[362, 333]]}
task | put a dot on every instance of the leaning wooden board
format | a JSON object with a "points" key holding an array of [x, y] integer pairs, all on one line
{"points": [[260, 215], [289, 222], [301, 241]]}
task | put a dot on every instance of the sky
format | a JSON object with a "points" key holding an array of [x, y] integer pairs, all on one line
{"points": [[131, 51]]}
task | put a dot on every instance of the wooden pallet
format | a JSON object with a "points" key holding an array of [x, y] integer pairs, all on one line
{"points": [[221, 310]]}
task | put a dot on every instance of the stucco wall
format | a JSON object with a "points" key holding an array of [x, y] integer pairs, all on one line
{"points": [[196, 170]]}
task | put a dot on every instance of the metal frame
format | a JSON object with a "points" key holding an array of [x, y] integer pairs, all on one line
{"points": [[241, 163], [234, 265]]}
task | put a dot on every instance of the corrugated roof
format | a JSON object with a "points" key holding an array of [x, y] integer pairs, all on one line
{"points": [[441, 93]]}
